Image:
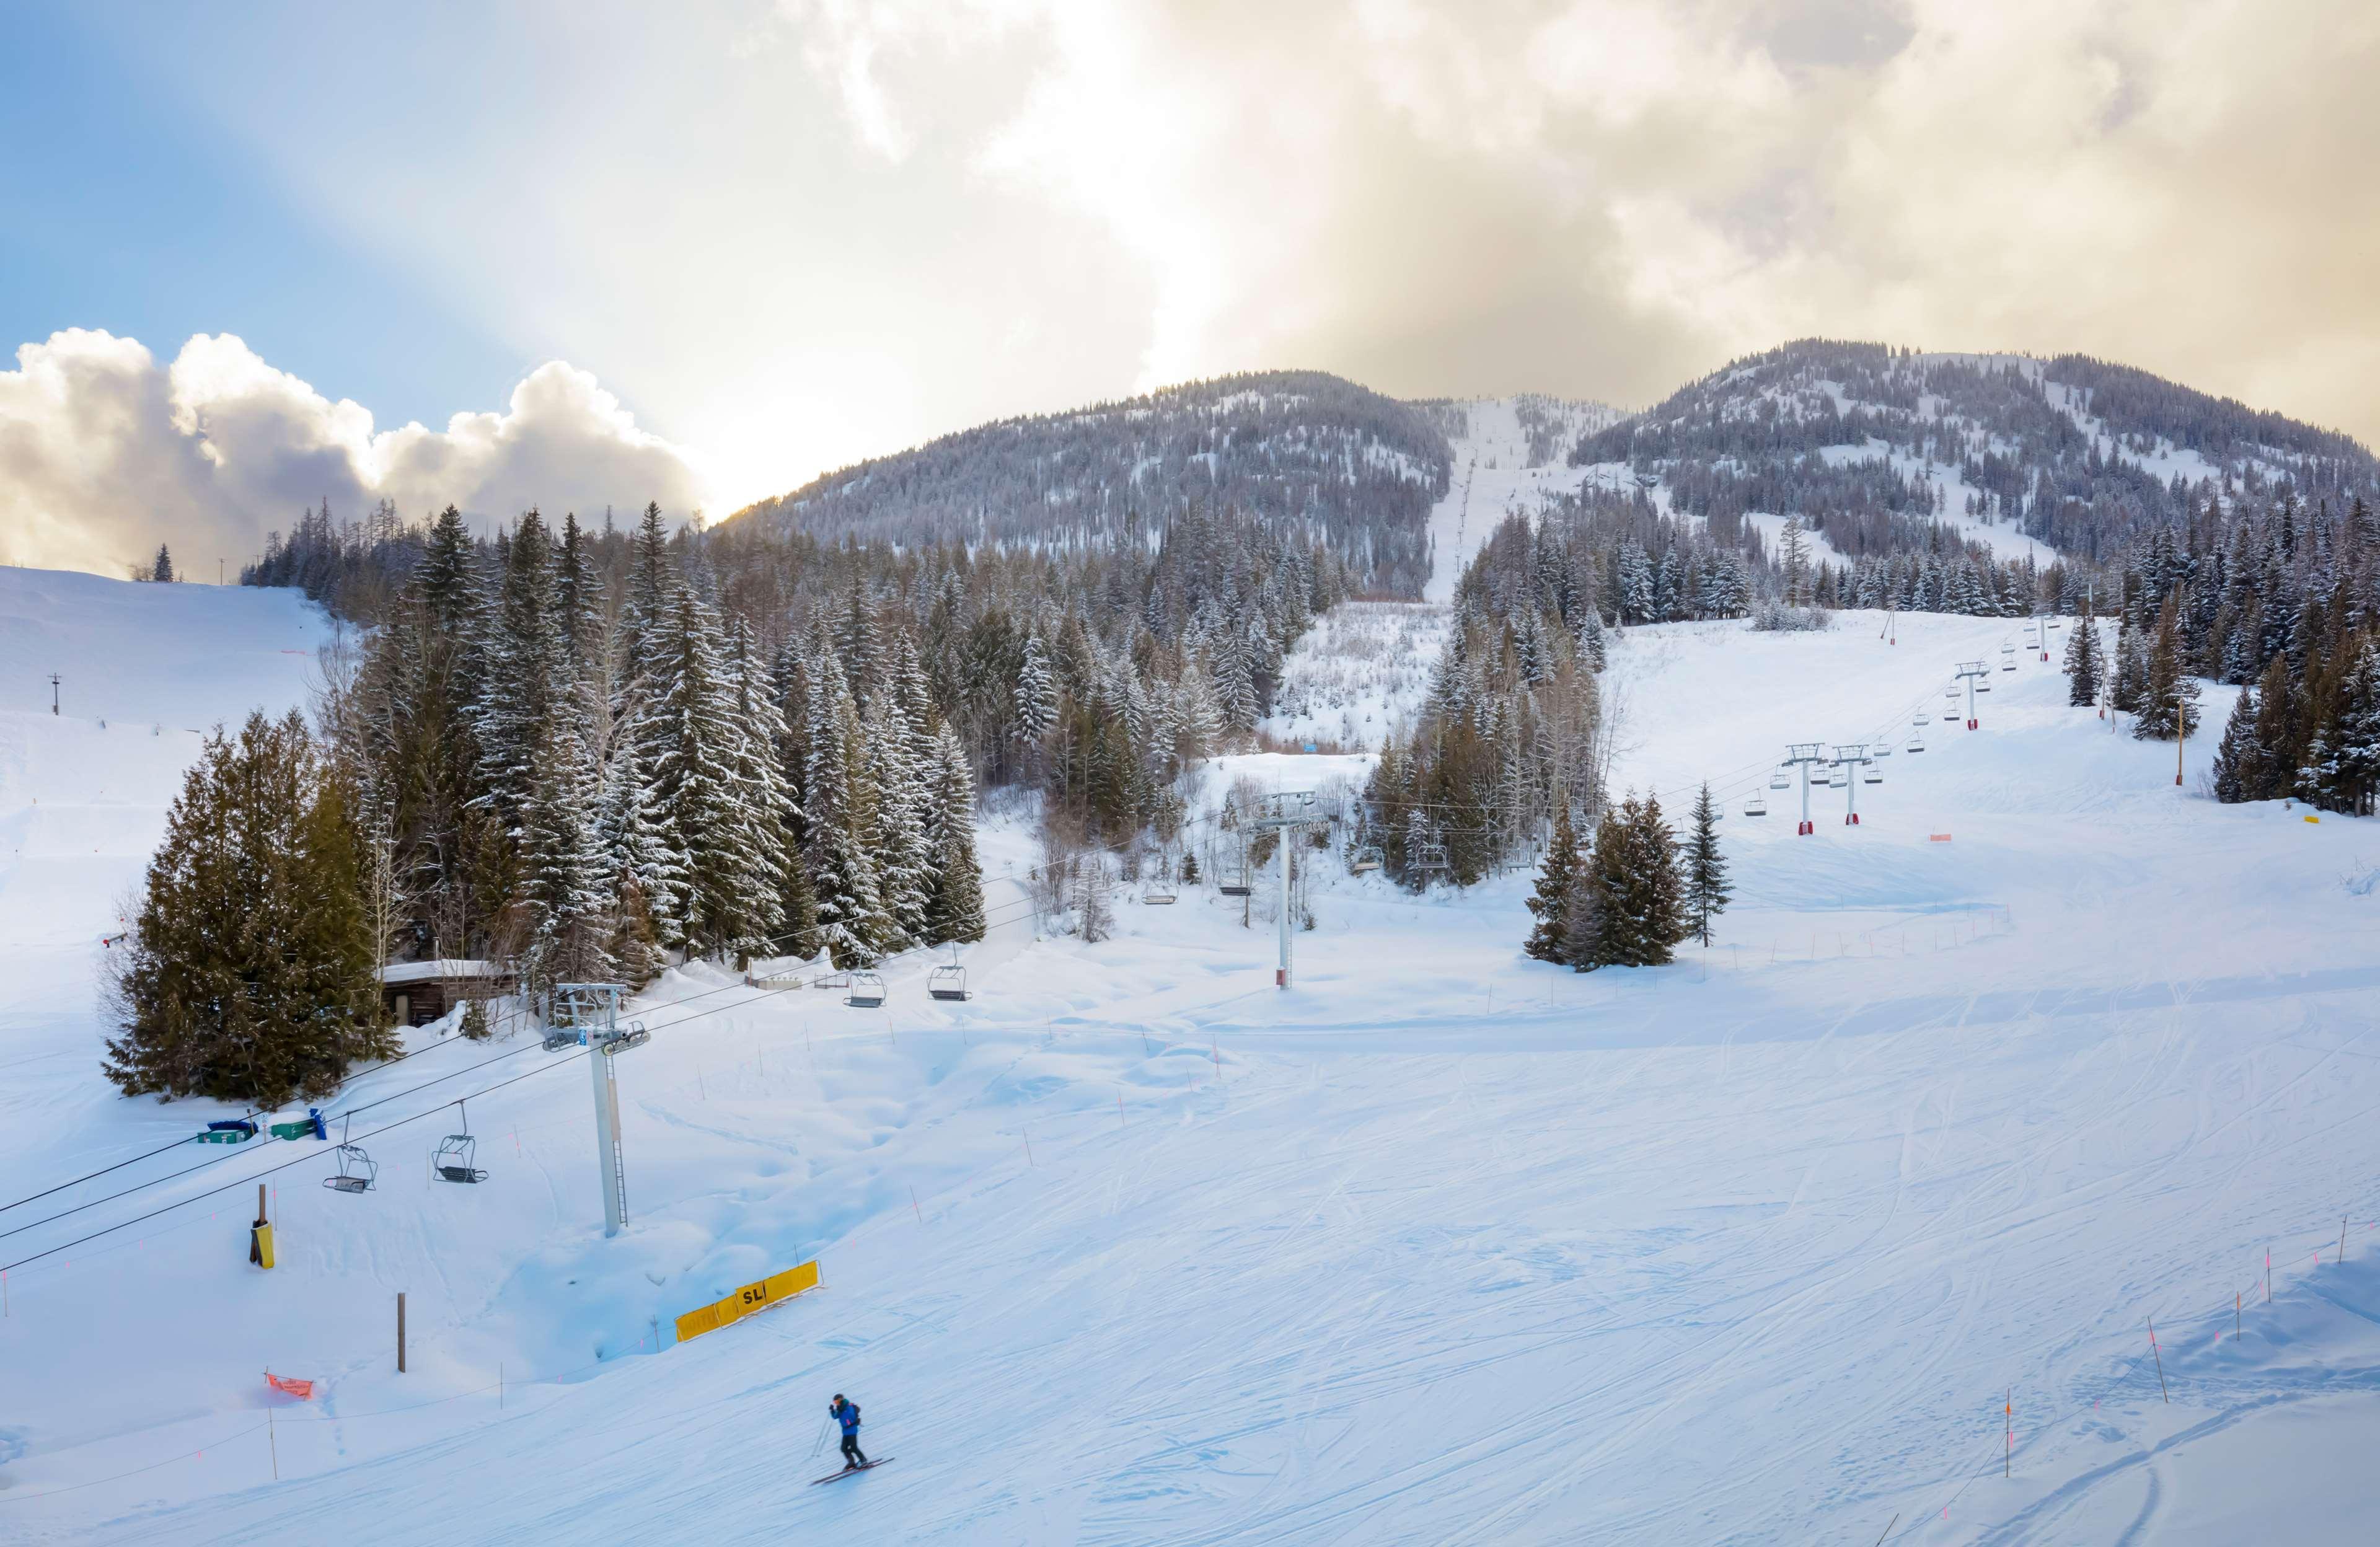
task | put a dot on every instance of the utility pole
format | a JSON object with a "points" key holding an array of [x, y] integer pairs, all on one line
{"points": [[1970, 672], [1804, 753], [54, 692]]}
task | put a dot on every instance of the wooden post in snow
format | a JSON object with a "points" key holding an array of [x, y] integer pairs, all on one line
{"points": [[400, 1331]]}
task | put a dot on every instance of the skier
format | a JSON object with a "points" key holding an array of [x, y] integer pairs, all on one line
{"points": [[847, 1414]]}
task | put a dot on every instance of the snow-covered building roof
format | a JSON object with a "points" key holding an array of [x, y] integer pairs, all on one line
{"points": [[441, 970]]}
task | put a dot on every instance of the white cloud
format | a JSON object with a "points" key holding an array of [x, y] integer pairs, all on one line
{"points": [[104, 453]]}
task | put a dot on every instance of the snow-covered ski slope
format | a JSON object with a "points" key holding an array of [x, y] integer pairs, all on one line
{"points": [[1365, 667], [1440, 1246], [1493, 479]]}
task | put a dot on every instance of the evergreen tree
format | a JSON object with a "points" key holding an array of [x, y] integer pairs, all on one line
{"points": [[2084, 664], [249, 973], [852, 925], [1633, 876], [1706, 869], [2129, 686], [2241, 768], [1036, 694], [2168, 701], [1558, 881], [956, 909], [897, 838], [161, 568]]}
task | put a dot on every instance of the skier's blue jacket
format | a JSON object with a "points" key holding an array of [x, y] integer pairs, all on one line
{"points": [[849, 1416]]}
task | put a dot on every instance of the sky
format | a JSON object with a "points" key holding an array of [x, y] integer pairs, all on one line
{"points": [[588, 255]]}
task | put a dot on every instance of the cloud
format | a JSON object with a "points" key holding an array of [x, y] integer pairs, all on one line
{"points": [[1612, 196], [104, 453]]}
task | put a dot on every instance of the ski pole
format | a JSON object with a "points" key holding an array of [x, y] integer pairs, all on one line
{"points": [[819, 1443]]}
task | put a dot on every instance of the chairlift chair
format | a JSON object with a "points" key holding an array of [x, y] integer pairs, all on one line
{"points": [[457, 1157], [1232, 879], [2007, 650], [948, 982], [1778, 781], [1881, 749], [2009, 665], [1365, 861], [357, 1171], [1922, 718], [1431, 856], [1756, 806], [453, 1162], [867, 991], [1159, 892], [1916, 744], [1872, 775]]}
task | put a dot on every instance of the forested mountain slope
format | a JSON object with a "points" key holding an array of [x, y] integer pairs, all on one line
{"points": [[1346, 466], [1871, 444]]}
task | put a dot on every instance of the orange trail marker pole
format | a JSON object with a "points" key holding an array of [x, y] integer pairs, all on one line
{"points": [[2160, 1362], [1119, 1109], [2008, 1411], [2342, 1238], [2235, 1315]]}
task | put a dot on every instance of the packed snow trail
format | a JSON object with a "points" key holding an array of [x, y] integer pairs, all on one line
{"points": [[1444, 1245]]}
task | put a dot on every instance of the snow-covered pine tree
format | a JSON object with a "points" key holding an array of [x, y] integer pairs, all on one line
{"points": [[568, 907], [897, 838], [2084, 663], [1707, 889], [954, 911], [2129, 684], [767, 810], [852, 923], [2242, 769], [733, 887], [1558, 882], [2169, 701], [647, 873], [1036, 695]]}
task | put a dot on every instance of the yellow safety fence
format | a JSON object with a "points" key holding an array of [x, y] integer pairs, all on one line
{"points": [[749, 1300]]}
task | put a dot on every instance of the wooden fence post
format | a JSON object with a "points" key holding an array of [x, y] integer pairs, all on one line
{"points": [[400, 1331]]}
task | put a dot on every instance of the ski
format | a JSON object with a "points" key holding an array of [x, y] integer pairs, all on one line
{"points": [[848, 1471]]}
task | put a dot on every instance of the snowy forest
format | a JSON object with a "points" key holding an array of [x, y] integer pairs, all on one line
{"points": [[1350, 471], [1755, 436]]}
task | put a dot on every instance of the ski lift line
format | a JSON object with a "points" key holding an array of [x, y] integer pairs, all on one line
{"points": [[203, 1166], [250, 1113], [756, 998], [347, 1113], [271, 1170]]}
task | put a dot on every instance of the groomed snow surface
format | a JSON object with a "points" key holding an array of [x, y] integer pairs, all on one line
{"points": [[1440, 1246]]}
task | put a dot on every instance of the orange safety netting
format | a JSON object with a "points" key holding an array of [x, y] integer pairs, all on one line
{"points": [[302, 1390]]}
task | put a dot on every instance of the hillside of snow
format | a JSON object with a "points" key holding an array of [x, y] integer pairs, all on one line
{"points": [[1442, 1245]]}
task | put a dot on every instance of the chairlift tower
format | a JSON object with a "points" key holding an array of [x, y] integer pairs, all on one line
{"points": [[1804, 754], [592, 1012], [1971, 672], [1283, 814], [1851, 759]]}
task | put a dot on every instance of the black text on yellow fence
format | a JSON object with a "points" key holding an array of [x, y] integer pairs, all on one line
{"points": [[751, 1299]]}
